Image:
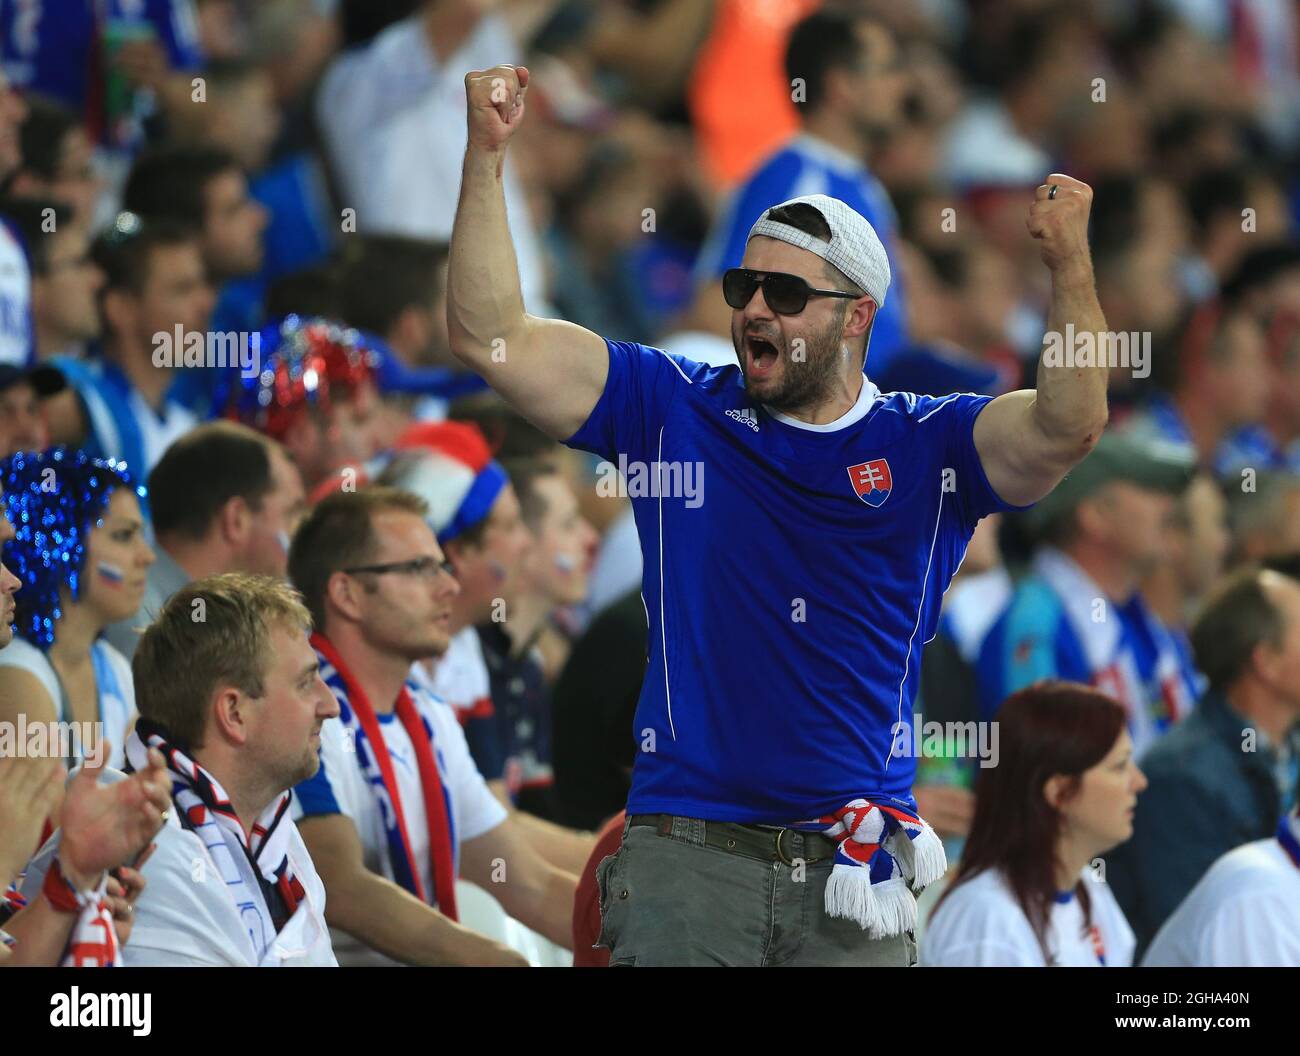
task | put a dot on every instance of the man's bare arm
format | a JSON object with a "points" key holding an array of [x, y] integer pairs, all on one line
{"points": [[1028, 440], [565, 848], [551, 371], [383, 915], [531, 889]]}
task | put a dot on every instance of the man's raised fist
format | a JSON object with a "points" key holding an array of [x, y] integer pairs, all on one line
{"points": [[494, 102], [1060, 222]]}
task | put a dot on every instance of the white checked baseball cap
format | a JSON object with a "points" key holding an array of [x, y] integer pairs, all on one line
{"points": [[854, 246]]}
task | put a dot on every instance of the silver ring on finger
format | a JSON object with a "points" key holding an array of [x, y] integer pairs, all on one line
{"points": [[1051, 193]]}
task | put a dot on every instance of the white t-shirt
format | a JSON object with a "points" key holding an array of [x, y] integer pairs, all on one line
{"points": [[340, 787], [186, 918], [116, 691], [15, 301], [393, 120], [460, 676], [159, 430], [980, 924], [1244, 912]]}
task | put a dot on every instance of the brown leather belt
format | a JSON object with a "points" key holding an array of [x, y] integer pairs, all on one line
{"points": [[751, 841]]}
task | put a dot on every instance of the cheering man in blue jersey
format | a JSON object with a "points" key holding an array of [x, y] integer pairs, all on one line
{"points": [[799, 528]]}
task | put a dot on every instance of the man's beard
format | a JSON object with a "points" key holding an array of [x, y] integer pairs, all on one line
{"points": [[803, 383]]}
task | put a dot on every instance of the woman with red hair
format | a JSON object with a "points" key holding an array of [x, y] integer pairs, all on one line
{"points": [[1030, 890]]}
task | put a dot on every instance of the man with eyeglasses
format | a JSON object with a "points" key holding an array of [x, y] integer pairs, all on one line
{"points": [[65, 280], [398, 810], [790, 590]]}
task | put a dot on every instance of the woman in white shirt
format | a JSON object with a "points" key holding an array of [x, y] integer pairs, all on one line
{"points": [[80, 551], [1030, 889]]}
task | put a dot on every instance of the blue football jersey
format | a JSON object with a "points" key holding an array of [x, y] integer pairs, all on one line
{"points": [[792, 575], [48, 46]]}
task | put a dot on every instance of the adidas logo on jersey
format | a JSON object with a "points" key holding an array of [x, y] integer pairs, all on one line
{"points": [[746, 416]]}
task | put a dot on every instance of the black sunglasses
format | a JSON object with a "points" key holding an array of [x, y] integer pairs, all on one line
{"points": [[785, 294]]}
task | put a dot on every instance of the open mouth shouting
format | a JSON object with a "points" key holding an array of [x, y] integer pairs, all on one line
{"points": [[761, 355]]}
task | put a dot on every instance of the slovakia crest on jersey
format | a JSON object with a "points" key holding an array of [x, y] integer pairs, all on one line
{"points": [[872, 481]]}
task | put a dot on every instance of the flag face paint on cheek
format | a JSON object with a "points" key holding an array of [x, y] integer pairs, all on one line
{"points": [[283, 539], [110, 573], [566, 562]]}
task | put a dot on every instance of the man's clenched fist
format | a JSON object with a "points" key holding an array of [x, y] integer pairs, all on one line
{"points": [[494, 102], [1060, 223]]}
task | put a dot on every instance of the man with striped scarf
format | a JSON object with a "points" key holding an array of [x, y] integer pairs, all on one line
{"points": [[398, 811], [791, 589], [230, 696]]}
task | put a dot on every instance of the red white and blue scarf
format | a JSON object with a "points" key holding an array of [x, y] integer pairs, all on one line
{"points": [[203, 807], [358, 716], [886, 852], [93, 942]]}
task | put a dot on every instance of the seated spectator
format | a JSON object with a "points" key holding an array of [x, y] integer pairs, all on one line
{"points": [[1196, 548], [86, 915], [204, 189], [514, 745], [1233, 759], [58, 161], [22, 425], [1080, 615], [380, 591], [65, 280], [1265, 521], [81, 554], [82, 914], [1027, 893], [224, 498], [315, 394], [1212, 390], [119, 405], [235, 704], [65, 57], [593, 705], [395, 287], [1243, 911], [15, 276], [241, 118], [391, 114], [475, 514]]}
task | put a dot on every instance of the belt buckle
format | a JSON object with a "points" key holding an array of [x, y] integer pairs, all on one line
{"points": [[779, 852]]}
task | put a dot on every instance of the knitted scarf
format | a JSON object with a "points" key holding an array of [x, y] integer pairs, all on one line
{"points": [[203, 807], [358, 716], [93, 942], [885, 851]]}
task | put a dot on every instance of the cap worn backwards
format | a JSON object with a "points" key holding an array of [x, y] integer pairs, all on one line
{"points": [[854, 246]]}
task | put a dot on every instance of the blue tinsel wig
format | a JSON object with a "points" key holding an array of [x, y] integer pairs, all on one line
{"points": [[54, 499]]}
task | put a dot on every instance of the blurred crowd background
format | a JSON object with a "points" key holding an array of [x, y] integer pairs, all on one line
{"points": [[288, 170]]}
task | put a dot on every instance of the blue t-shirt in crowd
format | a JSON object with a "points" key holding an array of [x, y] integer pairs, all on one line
{"points": [[48, 46], [792, 575], [803, 166]]}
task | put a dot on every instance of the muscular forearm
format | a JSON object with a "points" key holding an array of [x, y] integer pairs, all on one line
{"points": [[484, 303], [1070, 405]]}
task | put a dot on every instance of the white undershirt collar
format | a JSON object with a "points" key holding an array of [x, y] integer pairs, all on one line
{"points": [[854, 414]]}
